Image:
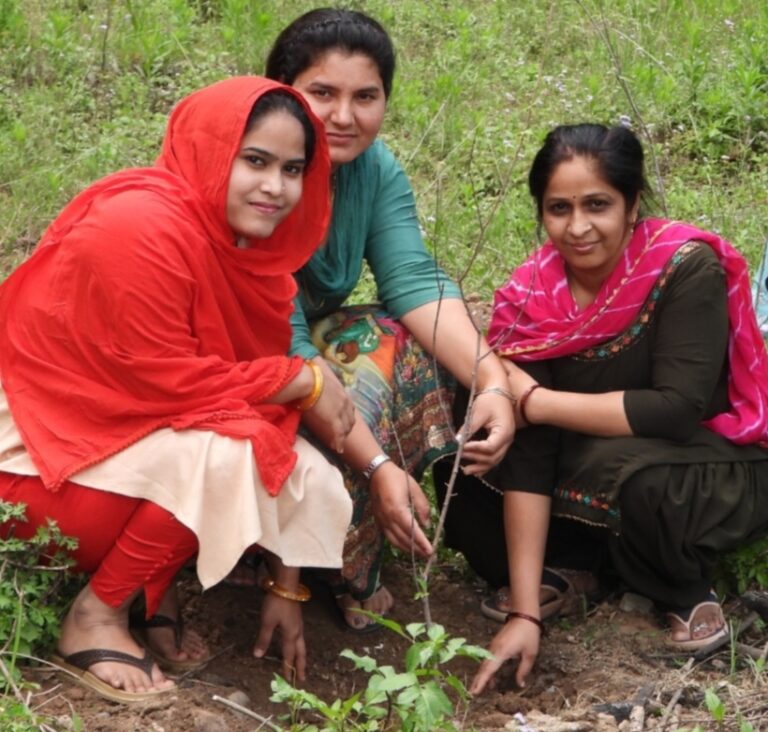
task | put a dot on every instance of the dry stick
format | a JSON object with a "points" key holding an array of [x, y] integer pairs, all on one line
{"points": [[247, 712], [603, 31], [192, 671], [684, 671], [10, 682]]}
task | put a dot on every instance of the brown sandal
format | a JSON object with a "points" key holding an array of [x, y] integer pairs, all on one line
{"points": [[77, 665]]}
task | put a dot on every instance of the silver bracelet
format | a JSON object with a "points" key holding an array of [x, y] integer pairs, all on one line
{"points": [[501, 392], [374, 465]]}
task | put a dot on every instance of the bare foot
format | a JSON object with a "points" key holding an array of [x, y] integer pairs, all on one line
{"points": [[162, 640], [90, 624], [380, 603]]}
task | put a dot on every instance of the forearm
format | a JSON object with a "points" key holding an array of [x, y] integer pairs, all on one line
{"points": [[361, 446], [526, 522], [300, 387], [445, 330], [286, 577], [602, 415]]}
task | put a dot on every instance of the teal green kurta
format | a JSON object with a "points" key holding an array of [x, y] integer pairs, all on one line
{"points": [[374, 220]]}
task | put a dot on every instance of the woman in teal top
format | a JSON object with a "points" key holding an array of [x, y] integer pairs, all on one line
{"points": [[374, 219], [343, 62]]}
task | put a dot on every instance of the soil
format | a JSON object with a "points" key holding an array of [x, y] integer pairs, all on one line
{"points": [[594, 669]]}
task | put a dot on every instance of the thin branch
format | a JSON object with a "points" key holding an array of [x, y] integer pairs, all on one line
{"points": [[247, 712], [603, 31]]}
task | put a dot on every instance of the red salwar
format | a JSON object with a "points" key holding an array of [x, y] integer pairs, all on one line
{"points": [[125, 543]]}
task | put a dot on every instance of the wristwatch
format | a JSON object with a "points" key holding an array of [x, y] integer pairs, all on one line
{"points": [[374, 465]]}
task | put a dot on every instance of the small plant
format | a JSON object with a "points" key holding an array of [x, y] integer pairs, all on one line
{"points": [[414, 700], [32, 577]]}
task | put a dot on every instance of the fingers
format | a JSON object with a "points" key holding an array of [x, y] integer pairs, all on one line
{"points": [[484, 674], [294, 666], [402, 531], [263, 640], [420, 504], [523, 669]]}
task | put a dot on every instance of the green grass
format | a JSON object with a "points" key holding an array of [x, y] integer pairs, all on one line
{"points": [[85, 87]]}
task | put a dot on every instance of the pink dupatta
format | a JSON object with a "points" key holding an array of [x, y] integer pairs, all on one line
{"points": [[535, 316]]}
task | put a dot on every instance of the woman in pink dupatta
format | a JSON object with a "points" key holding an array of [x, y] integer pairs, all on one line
{"points": [[642, 389]]}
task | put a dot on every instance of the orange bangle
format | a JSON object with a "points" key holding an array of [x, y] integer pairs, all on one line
{"points": [[310, 400], [303, 594]]}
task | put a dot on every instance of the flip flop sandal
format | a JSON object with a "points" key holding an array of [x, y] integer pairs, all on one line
{"points": [[77, 665], [371, 626], [687, 618], [556, 586], [138, 626]]}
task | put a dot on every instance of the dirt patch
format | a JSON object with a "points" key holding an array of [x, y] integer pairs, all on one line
{"points": [[594, 669]]}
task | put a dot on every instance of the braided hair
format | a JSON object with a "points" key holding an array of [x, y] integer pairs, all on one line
{"points": [[313, 34]]}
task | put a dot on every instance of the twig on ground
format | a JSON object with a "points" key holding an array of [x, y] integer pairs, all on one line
{"points": [[684, 671], [193, 671], [247, 712]]}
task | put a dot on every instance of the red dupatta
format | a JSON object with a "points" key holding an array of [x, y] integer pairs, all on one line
{"points": [[535, 316], [137, 311]]}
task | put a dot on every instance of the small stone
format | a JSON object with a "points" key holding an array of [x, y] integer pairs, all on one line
{"points": [[606, 723], [495, 720], [241, 698], [718, 663], [632, 603], [76, 693], [206, 721]]}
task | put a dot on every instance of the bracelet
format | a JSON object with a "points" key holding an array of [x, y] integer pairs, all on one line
{"points": [[374, 465], [302, 595], [310, 400], [501, 392], [524, 616], [524, 400]]}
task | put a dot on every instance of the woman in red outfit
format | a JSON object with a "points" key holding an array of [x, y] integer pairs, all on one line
{"points": [[147, 405]]}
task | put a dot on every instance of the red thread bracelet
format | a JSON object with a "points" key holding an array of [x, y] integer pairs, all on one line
{"points": [[524, 400], [525, 616]]}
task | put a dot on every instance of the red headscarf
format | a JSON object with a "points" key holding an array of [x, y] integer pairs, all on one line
{"points": [[535, 316], [137, 311]]}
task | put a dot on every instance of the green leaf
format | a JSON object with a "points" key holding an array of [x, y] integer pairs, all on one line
{"points": [[415, 629], [714, 705], [397, 682], [436, 632], [432, 705], [365, 663]]}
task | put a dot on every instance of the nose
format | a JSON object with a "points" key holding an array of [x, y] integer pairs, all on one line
{"points": [[578, 223], [272, 181], [342, 114]]}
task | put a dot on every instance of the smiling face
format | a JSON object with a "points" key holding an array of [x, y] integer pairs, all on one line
{"points": [[346, 92], [267, 175], [587, 220]]}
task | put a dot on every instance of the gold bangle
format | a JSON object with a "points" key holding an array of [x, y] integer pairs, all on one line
{"points": [[310, 400], [302, 595]]}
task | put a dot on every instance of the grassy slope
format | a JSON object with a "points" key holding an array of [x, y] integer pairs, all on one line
{"points": [[85, 87]]}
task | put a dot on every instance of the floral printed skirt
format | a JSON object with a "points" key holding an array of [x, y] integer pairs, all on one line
{"points": [[406, 402]]}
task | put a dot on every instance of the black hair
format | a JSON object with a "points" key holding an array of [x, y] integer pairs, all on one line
{"points": [[616, 151], [311, 35], [278, 100]]}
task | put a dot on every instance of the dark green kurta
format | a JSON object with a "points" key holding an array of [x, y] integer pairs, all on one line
{"points": [[675, 494]]}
